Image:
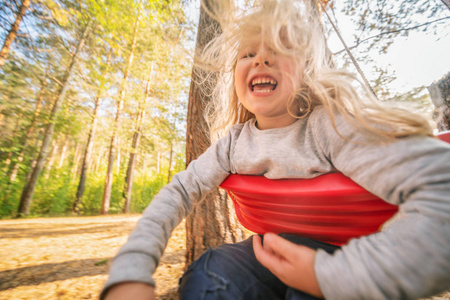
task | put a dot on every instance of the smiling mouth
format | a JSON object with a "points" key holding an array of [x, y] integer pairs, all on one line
{"points": [[263, 84]]}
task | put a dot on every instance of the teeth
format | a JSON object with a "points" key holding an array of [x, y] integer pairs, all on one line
{"points": [[263, 80], [262, 91]]}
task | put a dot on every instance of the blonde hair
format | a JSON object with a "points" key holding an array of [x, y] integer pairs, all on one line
{"points": [[287, 28]]}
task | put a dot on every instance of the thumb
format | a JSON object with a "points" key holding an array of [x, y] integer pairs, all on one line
{"points": [[280, 246], [275, 253]]}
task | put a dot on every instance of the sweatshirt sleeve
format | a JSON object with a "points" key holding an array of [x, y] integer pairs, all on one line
{"points": [[139, 257], [411, 259]]}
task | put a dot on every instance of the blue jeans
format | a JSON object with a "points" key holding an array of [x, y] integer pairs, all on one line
{"points": [[232, 272]]}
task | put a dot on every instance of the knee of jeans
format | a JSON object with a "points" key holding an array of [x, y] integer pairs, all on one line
{"points": [[200, 282]]}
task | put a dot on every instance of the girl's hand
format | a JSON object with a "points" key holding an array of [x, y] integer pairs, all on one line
{"points": [[131, 290], [292, 264]]}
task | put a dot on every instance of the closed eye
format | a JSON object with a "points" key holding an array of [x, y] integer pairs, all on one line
{"points": [[247, 55]]}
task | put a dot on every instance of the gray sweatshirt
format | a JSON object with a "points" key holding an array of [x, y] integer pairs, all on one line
{"points": [[409, 260]]}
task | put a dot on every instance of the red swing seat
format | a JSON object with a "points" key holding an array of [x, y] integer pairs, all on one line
{"points": [[329, 208]]}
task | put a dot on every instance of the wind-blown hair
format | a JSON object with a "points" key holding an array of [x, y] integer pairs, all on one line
{"points": [[289, 28]]}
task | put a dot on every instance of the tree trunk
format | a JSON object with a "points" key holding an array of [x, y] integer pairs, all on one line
{"points": [[112, 149], [89, 145], [118, 147], [135, 145], [30, 131], [75, 161], [169, 172], [15, 167], [99, 159], [11, 143], [130, 170], [35, 158], [28, 191], [51, 159], [86, 159], [212, 221], [446, 3], [13, 32], [63, 152], [440, 96]]}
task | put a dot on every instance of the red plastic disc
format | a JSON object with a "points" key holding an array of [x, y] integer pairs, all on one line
{"points": [[330, 208]]}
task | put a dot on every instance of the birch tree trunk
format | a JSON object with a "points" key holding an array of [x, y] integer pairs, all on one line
{"points": [[37, 144], [76, 159], [13, 32], [135, 146], [169, 172], [118, 150], [63, 152], [112, 149], [212, 221], [28, 191], [87, 158], [89, 145], [130, 170], [51, 159]]}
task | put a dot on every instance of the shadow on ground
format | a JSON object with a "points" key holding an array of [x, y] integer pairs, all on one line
{"points": [[35, 275], [13, 231]]}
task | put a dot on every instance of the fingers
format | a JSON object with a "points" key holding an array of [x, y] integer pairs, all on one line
{"points": [[260, 253], [276, 254], [268, 255], [287, 260]]}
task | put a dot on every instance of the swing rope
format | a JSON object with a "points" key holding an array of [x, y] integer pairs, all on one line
{"points": [[366, 82]]}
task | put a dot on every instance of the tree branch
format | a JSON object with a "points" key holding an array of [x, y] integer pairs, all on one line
{"points": [[17, 4], [388, 32], [56, 80], [7, 20], [446, 3]]}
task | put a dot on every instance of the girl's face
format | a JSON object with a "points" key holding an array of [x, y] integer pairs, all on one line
{"points": [[264, 82]]}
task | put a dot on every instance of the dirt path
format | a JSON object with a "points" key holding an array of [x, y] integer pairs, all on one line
{"points": [[68, 258]]}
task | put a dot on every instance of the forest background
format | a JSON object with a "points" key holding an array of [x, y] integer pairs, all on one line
{"points": [[94, 94]]}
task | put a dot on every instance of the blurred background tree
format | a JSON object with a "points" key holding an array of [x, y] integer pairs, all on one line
{"points": [[65, 82]]}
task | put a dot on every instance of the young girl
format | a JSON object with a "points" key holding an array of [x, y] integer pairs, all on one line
{"points": [[290, 115]]}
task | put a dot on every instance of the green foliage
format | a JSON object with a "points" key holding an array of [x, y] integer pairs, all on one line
{"points": [[31, 80], [144, 189], [53, 195], [9, 195], [92, 200]]}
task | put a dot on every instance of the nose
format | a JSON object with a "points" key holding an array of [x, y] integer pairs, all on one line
{"points": [[263, 57]]}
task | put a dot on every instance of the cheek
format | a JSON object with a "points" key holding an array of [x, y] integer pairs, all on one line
{"points": [[239, 80], [295, 80], [293, 71]]}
